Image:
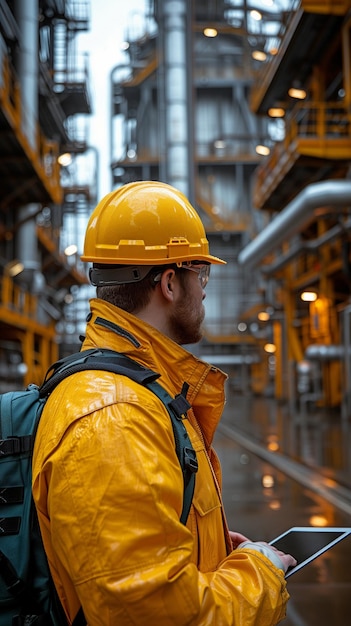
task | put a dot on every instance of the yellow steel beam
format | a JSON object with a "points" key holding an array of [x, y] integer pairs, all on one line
{"points": [[238, 222], [230, 338], [141, 73], [317, 130], [44, 154], [328, 7], [346, 59], [277, 340]]}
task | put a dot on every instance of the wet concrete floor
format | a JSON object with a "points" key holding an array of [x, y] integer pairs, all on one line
{"points": [[269, 486]]}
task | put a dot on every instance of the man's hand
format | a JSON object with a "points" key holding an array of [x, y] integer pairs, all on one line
{"points": [[278, 558], [287, 559], [237, 538]]}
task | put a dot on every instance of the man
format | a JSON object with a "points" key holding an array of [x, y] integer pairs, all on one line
{"points": [[106, 478]]}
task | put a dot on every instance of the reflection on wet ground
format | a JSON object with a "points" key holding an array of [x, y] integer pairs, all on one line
{"points": [[320, 440], [307, 483]]}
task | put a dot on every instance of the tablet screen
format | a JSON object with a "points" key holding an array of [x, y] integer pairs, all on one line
{"points": [[307, 543]]}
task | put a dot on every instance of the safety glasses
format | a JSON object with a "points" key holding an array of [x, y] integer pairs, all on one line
{"points": [[203, 273]]}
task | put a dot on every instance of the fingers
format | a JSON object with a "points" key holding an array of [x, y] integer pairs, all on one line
{"points": [[237, 538], [286, 560], [287, 557]]}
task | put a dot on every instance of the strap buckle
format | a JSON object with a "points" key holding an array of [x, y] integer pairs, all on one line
{"points": [[190, 460]]}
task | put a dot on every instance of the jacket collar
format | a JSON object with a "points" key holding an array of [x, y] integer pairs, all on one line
{"points": [[111, 327]]}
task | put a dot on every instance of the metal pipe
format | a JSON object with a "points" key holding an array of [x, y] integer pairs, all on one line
{"points": [[308, 246], [320, 352], [26, 12], [283, 259], [231, 359], [27, 61], [296, 215], [176, 92]]}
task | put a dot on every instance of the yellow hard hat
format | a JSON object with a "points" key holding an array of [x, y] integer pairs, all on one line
{"points": [[146, 223]]}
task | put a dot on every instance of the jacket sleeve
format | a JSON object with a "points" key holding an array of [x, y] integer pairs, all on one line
{"points": [[109, 496]]}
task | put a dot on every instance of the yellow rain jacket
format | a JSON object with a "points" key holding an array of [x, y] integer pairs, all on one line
{"points": [[109, 490]]}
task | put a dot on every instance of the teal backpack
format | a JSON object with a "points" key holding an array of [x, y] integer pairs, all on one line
{"points": [[27, 593]]}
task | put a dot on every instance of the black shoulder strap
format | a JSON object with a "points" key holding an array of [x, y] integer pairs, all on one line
{"points": [[177, 408], [95, 359], [109, 360]]}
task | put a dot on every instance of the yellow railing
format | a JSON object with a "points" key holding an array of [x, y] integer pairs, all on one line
{"points": [[37, 342], [309, 121], [44, 153], [329, 7], [319, 119], [16, 299]]}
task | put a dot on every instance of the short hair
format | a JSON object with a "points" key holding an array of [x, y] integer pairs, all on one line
{"points": [[133, 297]]}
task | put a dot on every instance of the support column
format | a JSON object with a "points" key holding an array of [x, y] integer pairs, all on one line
{"points": [[176, 110]]}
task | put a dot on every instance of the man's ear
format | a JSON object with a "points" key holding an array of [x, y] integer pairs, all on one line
{"points": [[167, 284]]}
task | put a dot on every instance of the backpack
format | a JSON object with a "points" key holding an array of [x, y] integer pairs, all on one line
{"points": [[27, 593]]}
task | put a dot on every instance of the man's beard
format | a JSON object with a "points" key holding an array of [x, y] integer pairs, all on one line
{"points": [[185, 324]]}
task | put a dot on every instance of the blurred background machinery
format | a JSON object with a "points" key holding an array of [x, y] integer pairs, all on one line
{"points": [[246, 108], [44, 201]]}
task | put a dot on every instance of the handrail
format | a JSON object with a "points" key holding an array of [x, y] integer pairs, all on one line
{"points": [[310, 120], [43, 155], [16, 299], [320, 119]]}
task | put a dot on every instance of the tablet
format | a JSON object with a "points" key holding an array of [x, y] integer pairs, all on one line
{"points": [[307, 543]]}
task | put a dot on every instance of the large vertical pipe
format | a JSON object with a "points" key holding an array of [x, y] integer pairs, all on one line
{"points": [[26, 13], [27, 66], [176, 64], [26, 243]]}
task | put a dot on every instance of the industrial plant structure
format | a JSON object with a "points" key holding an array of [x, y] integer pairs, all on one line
{"points": [[44, 96], [245, 106], [245, 109]]}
